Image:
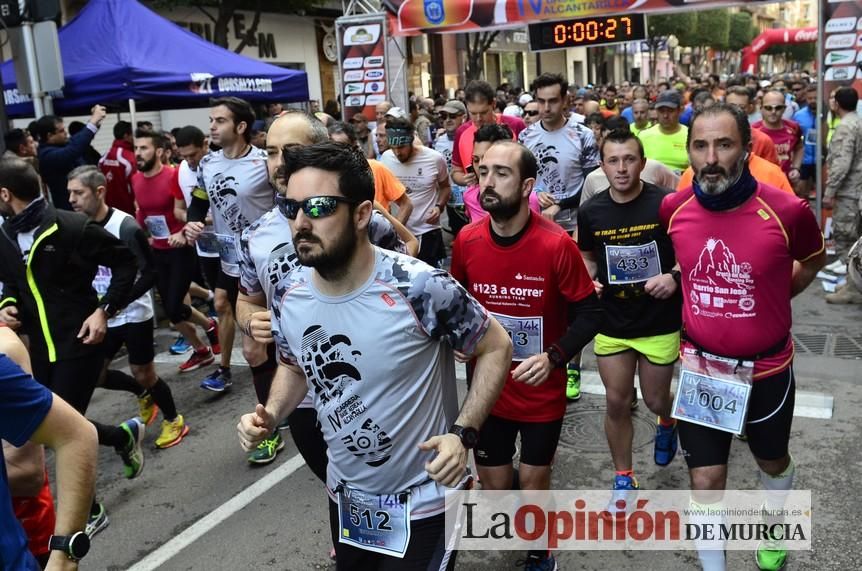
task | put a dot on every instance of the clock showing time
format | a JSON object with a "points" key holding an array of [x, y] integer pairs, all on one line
{"points": [[587, 32]]}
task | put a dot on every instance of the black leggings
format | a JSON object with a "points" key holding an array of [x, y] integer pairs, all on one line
{"points": [[73, 380], [175, 268]]}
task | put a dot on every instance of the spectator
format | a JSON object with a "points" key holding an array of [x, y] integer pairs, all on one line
{"points": [[91, 155], [118, 166]]}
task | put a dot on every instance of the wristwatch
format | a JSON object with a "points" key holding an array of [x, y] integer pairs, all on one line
{"points": [[109, 309], [74, 546], [555, 356], [469, 436], [677, 276]]}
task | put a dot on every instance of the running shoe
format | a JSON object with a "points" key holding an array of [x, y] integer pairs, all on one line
{"points": [[173, 432], [666, 443], [218, 381], [148, 408], [197, 360], [180, 346], [96, 522], [535, 562], [132, 455], [212, 335], [573, 383], [624, 490], [266, 450], [771, 555]]}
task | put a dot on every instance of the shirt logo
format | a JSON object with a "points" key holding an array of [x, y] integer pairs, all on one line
{"points": [[525, 277], [387, 299]]}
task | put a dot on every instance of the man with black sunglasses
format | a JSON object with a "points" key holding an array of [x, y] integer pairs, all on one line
{"points": [[378, 392], [786, 134], [452, 114], [531, 112]]}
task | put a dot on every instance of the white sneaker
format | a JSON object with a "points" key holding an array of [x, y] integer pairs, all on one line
{"points": [[836, 267], [840, 270]]}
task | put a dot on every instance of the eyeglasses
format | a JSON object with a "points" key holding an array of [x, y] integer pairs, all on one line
{"points": [[445, 116], [313, 207], [531, 113], [772, 108]]}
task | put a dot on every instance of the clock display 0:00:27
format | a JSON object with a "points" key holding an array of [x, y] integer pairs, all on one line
{"points": [[608, 30]]}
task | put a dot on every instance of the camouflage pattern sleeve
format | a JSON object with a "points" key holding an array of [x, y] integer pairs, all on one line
{"points": [[842, 154], [249, 284], [285, 353], [447, 311], [382, 234]]}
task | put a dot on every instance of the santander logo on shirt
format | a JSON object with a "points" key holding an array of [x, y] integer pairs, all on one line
{"points": [[520, 276], [721, 285]]}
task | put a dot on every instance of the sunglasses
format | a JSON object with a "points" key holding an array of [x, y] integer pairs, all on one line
{"points": [[531, 113], [314, 207], [772, 108], [445, 116]]}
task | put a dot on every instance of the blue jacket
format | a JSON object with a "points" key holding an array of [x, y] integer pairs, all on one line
{"points": [[57, 161]]}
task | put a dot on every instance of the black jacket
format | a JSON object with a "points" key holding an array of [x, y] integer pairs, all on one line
{"points": [[53, 289]]}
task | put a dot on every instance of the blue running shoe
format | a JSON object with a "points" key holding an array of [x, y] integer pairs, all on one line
{"points": [[666, 443], [535, 562], [218, 381], [180, 346], [624, 495]]}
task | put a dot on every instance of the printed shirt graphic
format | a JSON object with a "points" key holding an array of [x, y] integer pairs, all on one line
{"points": [[528, 284], [239, 193], [630, 312], [188, 181], [736, 271], [786, 139], [421, 176], [562, 157], [380, 390]]}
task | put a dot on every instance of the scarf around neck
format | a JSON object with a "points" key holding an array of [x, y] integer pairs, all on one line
{"points": [[740, 191], [29, 218]]}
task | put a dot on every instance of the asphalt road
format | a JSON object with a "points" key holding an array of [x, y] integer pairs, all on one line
{"points": [[200, 506]]}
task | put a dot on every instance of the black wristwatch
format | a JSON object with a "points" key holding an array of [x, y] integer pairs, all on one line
{"points": [[109, 309], [74, 546], [555, 356], [469, 436], [677, 276]]}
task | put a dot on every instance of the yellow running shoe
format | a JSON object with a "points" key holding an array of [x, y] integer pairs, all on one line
{"points": [[148, 407], [172, 432]]}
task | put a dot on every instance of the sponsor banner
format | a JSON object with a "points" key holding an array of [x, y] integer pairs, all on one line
{"points": [[451, 15], [840, 57], [362, 59], [605, 520]]}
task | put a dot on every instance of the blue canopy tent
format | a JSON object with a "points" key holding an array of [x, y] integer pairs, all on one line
{"points": [[120, 53]]}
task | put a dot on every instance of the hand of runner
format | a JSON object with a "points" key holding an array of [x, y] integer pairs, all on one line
{"points": [[546, 199], [828, 201], [192, 230], [599, 287], [94, 328], [550, 212], [793, 175], [177, 240], [434, 215], [448, 466], [661, 287], [462, 357], [9, 316], [260, 326], [255, 427], [533, 371]]}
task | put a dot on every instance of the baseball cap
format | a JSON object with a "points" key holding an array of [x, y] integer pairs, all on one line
{"points": [[454, 107], [396, 112], [524, 99], [669, 98]]}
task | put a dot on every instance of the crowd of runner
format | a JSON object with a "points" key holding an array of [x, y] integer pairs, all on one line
{"points": [[667, 224]]}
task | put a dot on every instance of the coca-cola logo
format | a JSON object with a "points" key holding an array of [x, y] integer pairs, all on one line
{"points": [[805, 36]]}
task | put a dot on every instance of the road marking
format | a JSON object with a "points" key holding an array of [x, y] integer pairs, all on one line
{"points": [[236, 358], [164, 553]]}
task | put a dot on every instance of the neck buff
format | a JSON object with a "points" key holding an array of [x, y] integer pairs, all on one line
{"points": [[29, 218], [399, 137], [738, 192]]}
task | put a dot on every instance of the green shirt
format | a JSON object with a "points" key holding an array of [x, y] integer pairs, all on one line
{"points": [[670, 150]]}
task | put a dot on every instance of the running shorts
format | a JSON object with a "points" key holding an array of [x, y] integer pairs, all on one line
{"points": [[658, 349], [138, 339], [497, 441]]}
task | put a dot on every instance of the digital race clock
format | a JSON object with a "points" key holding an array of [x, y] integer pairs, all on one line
{"points": [[587, 32]]}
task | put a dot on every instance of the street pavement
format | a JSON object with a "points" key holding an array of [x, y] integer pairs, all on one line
{"points": [[200, 506]]}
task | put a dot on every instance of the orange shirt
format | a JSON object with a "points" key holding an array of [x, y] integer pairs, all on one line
{"points": [[762, 170], [387, 187], [762, 146]]}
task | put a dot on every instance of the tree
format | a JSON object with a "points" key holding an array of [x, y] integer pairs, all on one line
{"points": [[477, 44], [742, 31], [713, 31], [222, 12], [661, 26]]}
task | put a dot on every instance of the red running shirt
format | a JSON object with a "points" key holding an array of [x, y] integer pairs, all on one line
{"points": [[155, 196], [736, 271], [528, 287], [786, 139]]}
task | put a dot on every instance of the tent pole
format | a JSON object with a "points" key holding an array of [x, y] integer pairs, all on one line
{"points": [[132, 113]]}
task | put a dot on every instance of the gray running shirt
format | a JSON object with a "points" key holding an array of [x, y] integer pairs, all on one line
{"points": [[239, 193], [380, 361]]}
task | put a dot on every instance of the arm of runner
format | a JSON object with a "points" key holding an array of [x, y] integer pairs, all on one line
{"points": [[181, 210], [798, 154], [493, 355], [662, 286], [140, 247], [253, 317], [287, 391], [411, 244], [805, 272], [25, 468]]}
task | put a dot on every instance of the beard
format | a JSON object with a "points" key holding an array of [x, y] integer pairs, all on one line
{"points": [[728, 178], [331, 262], [499, 208], [146, 166]]}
